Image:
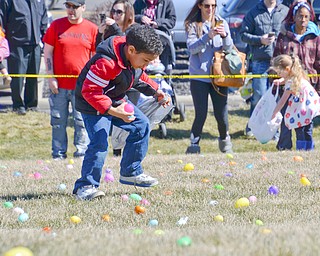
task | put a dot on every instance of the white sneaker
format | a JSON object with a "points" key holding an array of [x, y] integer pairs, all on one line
{"points": [[89, 192], [142, 180]]}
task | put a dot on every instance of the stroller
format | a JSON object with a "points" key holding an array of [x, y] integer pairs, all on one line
{"points": [[165, 68]]}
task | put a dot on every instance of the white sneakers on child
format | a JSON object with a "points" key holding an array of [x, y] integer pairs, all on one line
{"points": [[142, 180], [89, 192]]}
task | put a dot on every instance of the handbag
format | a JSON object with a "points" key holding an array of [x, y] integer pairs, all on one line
{"points": [[260, 123], [232, 62]]}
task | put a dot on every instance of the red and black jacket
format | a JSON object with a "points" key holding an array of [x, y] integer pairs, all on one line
{"points": [[106, 78]]}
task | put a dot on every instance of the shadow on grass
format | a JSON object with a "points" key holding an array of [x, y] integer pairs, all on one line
{"points": [[178, 134], [31, 196]]}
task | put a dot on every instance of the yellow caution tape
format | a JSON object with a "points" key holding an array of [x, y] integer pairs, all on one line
{"points": [[161, 76]]}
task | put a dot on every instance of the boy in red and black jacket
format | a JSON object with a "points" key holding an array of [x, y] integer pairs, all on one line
{"points": [[100, 97]]}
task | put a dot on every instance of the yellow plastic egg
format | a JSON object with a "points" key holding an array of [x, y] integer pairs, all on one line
{"points": [[18, 251], [242, 202], [188, 167], [218, 218], [75, 219]]}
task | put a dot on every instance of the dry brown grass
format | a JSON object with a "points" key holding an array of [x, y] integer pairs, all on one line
{"points": [[291, 218]]}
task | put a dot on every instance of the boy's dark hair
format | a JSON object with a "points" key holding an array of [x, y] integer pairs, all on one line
{"points": [[144, 39]]}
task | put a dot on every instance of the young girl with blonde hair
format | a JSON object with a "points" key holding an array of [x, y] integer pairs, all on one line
{"points": [[303, 100]]}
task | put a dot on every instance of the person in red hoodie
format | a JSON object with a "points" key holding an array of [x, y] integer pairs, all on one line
{"points": [[101, 98]]}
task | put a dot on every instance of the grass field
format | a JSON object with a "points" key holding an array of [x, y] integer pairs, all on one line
{"points": [[282, 224]]}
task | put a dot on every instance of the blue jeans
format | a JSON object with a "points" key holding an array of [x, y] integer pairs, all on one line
{"points": [[285, 139], [59, 111], [135, 150], [259, 85]]}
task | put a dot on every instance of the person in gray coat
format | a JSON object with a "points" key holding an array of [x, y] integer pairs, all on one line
{"points": [[260, 28]]}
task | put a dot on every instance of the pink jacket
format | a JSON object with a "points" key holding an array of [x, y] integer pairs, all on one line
{"points": [[4, 49]]}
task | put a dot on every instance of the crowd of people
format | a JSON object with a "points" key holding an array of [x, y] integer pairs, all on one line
{"points": [[107, 62]]}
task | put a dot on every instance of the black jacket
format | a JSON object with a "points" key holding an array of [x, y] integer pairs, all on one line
{"points": [[165, 14], [24, 21]]}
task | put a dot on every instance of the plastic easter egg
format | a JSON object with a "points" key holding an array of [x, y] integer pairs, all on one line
{"points": [[124, 197], [219, 187], [218, 218], [47, 229], [71, 161], [188, 167], [259, 223], [304, 181], [252, 199], [144, 202], [184, 241], [18, 210], [62, 187], [139, 209], [75, 219], [229, 156], [205, 180], [182, 221], [228, 174], [106, 217], [291, 172], [8, 205], [153, 223], [249, 166], [266, 231], [242, 203], [297, 159], [128, 108], [159, 232], [180, 161], [273, 190], [17, 174], [232, 163], [19, 251], [213, 202], [37, 175], [23, 217], [69, 166], [137, 231], [136, 197], [109, 177]]}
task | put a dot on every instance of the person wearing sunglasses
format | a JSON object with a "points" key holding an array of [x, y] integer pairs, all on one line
{"points": [[121, 17], [159, 14], [69, 44], [24, 25], [207, 32]]}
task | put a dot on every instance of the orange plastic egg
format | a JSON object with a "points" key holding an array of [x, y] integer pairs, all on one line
{"points": [[139, 209]]}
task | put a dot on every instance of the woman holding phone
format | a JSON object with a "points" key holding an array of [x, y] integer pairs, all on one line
{"points": [[207, 32]]}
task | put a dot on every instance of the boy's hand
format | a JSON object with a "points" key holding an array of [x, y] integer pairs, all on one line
{"points": [[119, 112], [163, 98]]}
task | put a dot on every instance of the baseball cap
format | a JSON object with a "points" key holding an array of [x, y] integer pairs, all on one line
{"points": [[76, 2]]}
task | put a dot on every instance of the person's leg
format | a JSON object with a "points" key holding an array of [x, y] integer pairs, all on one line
{"points": [[59, 112], [136, 146], [81, 139], [98, 128], [285, 139], [220, 110], [17, 64], [31, 86], [199, 92], [304, 137]]}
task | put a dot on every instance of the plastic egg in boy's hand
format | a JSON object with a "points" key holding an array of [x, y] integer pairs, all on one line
{"points": [[128, 107]]}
